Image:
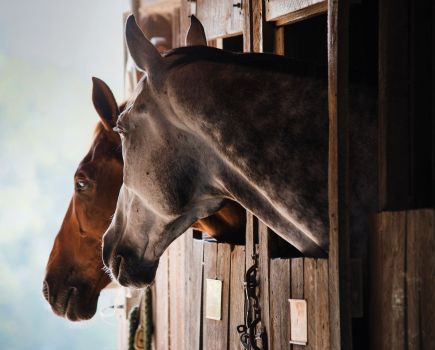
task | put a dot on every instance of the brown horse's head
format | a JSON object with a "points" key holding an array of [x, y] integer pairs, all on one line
{"points": [[74, 272]]}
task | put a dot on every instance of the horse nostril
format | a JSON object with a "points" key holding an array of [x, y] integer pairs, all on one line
{"points": [[46, 290], [119, 261]]}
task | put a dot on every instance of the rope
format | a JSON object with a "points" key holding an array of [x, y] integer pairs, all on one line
{"points": [[133, 319], [142, 336], [148, 318]]}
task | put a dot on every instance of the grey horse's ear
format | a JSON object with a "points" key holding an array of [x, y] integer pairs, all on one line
{"points": [[195, 34], [104, 103], [144, 54]]}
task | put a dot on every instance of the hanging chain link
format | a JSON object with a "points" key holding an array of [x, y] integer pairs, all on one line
{"points": [[249, 335]]}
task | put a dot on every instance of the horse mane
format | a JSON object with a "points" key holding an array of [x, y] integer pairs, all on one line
{"points": [[262, 61]]}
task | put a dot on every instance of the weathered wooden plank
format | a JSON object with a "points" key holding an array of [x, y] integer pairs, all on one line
{"points": [[237, 17], [223, 273], [161, 320], [303, 14], [297, 278], [420, 279], [193, 279], [176, 293], [257, 26], [338, 181], [413, 281], [208, 326], [278, 47], [322, 306], [310, 295], [297, 285], [290, 11], [247, 25], [217, 266], [388, 281], [263, 279], [279, 304], [375, 275], [178, 38], [237, 299], [219, 18], [186, 9]]}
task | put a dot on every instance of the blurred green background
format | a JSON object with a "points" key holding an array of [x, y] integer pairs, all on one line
{"points": [[48, 52]]}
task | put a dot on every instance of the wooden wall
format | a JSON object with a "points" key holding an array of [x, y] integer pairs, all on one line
{"points": [[403, 280]]}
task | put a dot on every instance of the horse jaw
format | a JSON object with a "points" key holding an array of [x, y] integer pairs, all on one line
{"points": [[137, 237]]}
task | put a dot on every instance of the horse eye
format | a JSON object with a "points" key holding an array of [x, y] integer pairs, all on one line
{"points": [[119, 129], [80, 185]]}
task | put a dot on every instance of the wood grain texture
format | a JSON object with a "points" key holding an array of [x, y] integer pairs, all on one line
{"points": [[178, 37], [286, 9], [420, 279], [338, 181], [185, 12], [388, 282], [237, 300], [315, 293], [217, 265], [263, 278], [193, 286], [310, 295], [161, 305], [247, 26], [279, 305], [297, 286], [278, 46], [322, 305], [303, 14], [219, 18], [177, 294], [257, 29], [402, 280]]}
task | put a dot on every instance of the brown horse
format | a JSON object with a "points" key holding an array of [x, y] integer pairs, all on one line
{"points": [[74, 273]]}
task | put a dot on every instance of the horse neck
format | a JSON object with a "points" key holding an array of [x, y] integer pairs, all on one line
{"points": [[263, 143]]}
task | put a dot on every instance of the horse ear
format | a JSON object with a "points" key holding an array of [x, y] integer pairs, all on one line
{"points": [[144, 54], [195, 34], [104, 103]]}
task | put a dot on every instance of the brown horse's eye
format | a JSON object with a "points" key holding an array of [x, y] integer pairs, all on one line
{"points": [[80, 185]]}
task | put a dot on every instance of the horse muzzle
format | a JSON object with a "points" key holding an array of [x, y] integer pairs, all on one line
{"points": [[129, 269], [73, 303]]}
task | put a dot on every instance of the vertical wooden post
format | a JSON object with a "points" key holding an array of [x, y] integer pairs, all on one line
{"points": [[340, 321], [257, 33], [135, 4]]}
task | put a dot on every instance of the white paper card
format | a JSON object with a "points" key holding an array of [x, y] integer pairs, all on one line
{"points": [[298, 321], [213, 299]]}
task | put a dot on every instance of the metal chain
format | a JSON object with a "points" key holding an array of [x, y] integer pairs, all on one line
{"points": [[249, 336]]}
